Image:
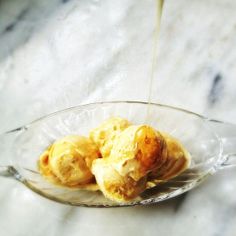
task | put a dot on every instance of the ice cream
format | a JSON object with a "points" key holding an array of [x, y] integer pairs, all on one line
{"points": [[113, 185], [123, 159], [69, 160], [138, 150], [135, 152], [178, 160], [104, 135], [44, 167]]}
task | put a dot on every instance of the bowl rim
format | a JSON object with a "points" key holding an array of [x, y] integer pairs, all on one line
{"points": [[81, 106]]}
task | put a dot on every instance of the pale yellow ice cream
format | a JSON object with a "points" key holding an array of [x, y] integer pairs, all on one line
{"points": [[133, 158], [135, 152], [45, 169], [69, 160], [103, 136], [178, 160], [138, 150], [114, 186]]}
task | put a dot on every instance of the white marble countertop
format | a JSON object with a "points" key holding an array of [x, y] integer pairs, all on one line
{"points": [[55, 54]]}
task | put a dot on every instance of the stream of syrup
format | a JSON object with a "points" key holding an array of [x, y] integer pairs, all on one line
{"points": [[159, 8]]}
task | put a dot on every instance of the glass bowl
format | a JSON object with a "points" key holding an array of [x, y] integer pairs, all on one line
{"points": [[211, 144]]}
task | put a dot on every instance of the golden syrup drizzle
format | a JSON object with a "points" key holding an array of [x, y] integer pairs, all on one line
{"points": [[159, 8]]}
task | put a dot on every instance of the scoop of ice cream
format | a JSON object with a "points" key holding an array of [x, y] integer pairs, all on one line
{"points": [[70, 160], [138, 150], [115, 186], [104, 135], [178, 160], [135, 152]]}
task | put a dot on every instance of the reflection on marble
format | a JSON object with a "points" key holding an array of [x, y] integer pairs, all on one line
{"points": [[61, 53]]}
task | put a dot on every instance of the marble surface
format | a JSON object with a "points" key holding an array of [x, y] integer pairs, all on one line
{"points": [[55, 54]]}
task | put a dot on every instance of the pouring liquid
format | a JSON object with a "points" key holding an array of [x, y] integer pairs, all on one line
{"points": [[159, 8]]}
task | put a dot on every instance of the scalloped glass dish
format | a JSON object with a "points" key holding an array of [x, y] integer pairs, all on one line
{"points": [[210, 142]]}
